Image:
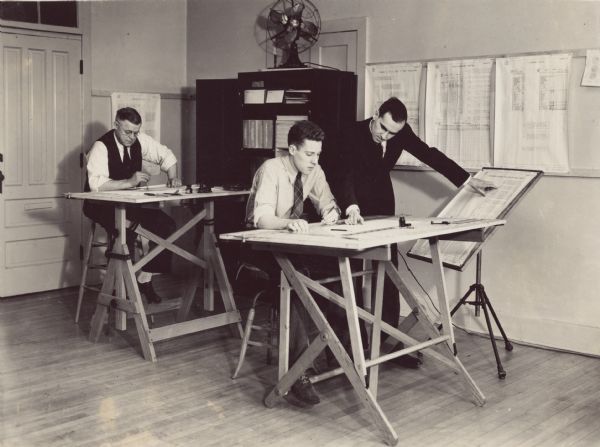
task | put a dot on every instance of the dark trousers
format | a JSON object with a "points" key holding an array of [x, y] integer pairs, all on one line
{"points": [[153, 220]]}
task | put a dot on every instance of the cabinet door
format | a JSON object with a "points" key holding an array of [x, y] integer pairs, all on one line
{"points": [[218, 133]]}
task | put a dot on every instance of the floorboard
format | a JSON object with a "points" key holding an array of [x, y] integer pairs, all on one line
{"points": [[59, 389]]}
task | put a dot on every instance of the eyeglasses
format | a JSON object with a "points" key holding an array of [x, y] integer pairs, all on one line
{"points": [[129, 133]]}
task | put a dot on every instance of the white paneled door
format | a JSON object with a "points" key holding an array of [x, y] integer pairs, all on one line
{"points": [[40, 142]]}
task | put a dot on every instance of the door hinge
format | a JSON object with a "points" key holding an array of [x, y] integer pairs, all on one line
{"points": [[81, 159], [80, 66], [80, 252]]}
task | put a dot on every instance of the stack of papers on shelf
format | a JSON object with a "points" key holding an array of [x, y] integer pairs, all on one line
{"points": [[296, 96], [275, 96], [254, 96]]}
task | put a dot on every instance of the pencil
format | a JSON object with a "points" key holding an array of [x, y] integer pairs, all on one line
{"points": [[477, 189]]}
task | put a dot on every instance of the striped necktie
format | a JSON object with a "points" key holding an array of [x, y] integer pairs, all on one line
{"points": [[298, 198]]}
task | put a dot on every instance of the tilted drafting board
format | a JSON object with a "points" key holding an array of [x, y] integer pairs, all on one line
{"points": [[512, 184]]}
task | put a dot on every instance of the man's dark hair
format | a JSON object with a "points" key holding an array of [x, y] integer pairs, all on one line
{"points": [[305, 130], [129, 114], [396, 108]]}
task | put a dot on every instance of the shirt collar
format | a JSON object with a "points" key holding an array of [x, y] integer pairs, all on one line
{"points": [[119, 145], [291, 170]]}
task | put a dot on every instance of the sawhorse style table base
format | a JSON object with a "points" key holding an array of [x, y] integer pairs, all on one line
{"points": [[120, 278], [356, 371]]}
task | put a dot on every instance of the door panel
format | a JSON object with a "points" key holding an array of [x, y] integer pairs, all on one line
{"points": [[41, 126], [341, 47]]}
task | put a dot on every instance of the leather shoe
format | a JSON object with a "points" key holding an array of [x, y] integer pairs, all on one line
{"points": [[149, 292], [407, 361], [304, 391]]}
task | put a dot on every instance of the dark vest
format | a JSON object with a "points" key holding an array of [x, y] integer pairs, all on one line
{"points": [[116, 169]]}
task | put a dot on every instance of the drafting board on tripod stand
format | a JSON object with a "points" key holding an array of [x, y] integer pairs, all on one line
{"points": [[512, 185]]}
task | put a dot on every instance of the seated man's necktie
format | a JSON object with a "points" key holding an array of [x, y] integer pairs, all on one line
{"points": [[298, 198], [126, 158]]}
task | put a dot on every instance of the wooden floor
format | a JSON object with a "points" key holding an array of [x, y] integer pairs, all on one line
{"points": [[58, 389]]}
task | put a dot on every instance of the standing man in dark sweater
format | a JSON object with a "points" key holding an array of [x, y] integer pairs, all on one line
{"points": [[115, 162], [370, 151]]}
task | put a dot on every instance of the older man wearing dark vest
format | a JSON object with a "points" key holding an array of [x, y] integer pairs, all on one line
{"points": [[115, 162]]}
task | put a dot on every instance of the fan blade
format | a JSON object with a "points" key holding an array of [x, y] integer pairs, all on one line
{"points": [[310, 29], [291, 36], [279, 36], [308, 37], [277, 17]]}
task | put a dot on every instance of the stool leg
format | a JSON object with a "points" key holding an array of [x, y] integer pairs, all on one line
{"points": [[84, 271], [246, 337]]}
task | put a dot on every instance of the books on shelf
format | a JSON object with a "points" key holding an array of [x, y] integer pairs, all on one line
{"points": [[257, 134], [283, 124], [254, 96]]}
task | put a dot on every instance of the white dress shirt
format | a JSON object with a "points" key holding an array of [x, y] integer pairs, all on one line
{"points": [[273, 190], [152, 152]]}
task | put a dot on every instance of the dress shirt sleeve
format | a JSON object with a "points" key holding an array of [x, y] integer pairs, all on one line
{"points": [[154, 152], [97, 166], [321, 195], [263, 198]]}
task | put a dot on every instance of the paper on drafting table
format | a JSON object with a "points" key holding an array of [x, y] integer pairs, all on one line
{"points": [[510, 185]]}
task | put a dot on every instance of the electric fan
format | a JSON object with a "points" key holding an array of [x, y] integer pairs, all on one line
{"points": [[293, 26]]}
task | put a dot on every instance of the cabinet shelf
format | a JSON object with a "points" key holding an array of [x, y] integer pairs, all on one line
{"points": [[221, 112], [271, 110]]}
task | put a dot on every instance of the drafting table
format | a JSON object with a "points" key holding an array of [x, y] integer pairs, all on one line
{"points": [[120, 274], [373, 242]]}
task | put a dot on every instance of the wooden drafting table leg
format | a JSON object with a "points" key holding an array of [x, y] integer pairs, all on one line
{"points": [[447, 327], [102, 311], [327, 337], [366, 285], [113, 279], [284, 326], [376, 329], [120, 316], [197, 278], [141, 321], [352, 316], [218, 267], [208, 240]]}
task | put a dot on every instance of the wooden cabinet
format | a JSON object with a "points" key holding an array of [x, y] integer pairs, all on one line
{"points": [[238, 119]]}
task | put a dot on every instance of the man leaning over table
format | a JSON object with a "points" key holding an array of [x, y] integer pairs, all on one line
{"points": [[371, 149], [115, 162], [279, 189]]}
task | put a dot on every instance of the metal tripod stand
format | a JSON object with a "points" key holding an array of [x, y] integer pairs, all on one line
{"points": [[482, 301]]}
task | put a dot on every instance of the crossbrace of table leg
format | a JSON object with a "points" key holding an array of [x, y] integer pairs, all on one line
{"points": [[356, 369]]}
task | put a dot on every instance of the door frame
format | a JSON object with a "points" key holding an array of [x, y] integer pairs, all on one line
{"points": [[358, 25]]}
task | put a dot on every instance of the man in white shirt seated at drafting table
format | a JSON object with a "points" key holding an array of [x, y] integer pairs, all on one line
{"points": [[279, 189], [115, 162]]}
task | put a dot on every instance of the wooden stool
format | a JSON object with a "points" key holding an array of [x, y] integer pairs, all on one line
{"points": [[271, 326], [89, 262]]}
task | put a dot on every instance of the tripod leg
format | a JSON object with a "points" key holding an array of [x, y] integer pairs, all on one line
{"points": [[507, 344], [460, 302], [501, 372], [463, 299]]}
